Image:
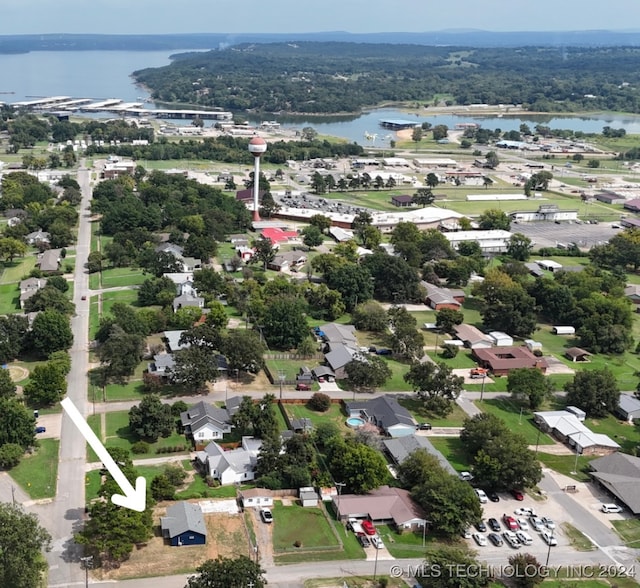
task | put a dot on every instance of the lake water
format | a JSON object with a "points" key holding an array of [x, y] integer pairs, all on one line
{"points": [[107, 74]]}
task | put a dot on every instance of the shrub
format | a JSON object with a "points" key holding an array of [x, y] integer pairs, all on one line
{"points": [[10, 455], [297, 543], [319, 402], [140, 447], [449, 351]]}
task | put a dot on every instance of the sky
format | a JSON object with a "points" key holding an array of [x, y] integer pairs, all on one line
{"points": [[301, 16]]}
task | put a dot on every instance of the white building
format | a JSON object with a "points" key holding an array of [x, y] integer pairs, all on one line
{"points": [[492, 241], [231, 467]]}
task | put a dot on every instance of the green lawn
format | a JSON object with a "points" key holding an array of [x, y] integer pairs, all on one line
{"points": [[517, 419], [566, 464], [199, 489], [130, 391], [307, 525], [124, 296], [94, 317], [451, 448], [414, 406], [626, 435], [406, 544], [37, 473], [334, 414], [16, 270], [629, 530], [9, 299], [122, 276]]}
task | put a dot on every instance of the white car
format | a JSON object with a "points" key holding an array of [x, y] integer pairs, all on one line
{"points": [[511, 538], [466, 534], [537, 523], [548, 523], [377, 542], [610, 508], [522, 523], [482, 497], [524, 538], [525, 511], [481, 540], [548, 538], [466, 476]]}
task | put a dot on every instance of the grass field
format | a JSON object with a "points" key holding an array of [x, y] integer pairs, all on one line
{"points": [[414, 406], [9, 298], [629, 530], [516, 418], [14, 271], [309, 526], [406, 544], [121, 276], [334, 414], [37, 473], [451, 448], [625, 434], [567, 465]]}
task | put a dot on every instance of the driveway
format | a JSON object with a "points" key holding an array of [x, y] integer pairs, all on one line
{"points": [[51, 422], [264, 537]]}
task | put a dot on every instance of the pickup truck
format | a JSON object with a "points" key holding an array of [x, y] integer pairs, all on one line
{"points": [[355, 526]]}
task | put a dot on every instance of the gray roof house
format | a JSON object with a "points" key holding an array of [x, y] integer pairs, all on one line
{"points": [[629, 407], [29, 287], [339, 356], [49, 260], [187, 299], [184, 525], [205, 422], [173, 341], [472, 337], [38, 237], [233, 404], [385, 413], [336, 333], [402, 447], [619, 473], [231, 467], [162, 364]]}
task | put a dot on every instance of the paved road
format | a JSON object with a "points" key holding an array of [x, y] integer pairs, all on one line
{"points": [[63, 517]]}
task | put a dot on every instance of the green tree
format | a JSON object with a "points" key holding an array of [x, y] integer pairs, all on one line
{"points": [[370, 316], [442, 570], [51, 332], [362, 468], [353, 281], [435, 385], [264, 252], [14, 336], [531, 384], [478, 430], [244, 351], [320, 221], [151, 419], [448, 318], [95, 262], [10, 455], [121, 353], [11, 248], [224, 572], [49, 298], [194, 367], [406, 340], [22, 541], [492, 159], [432, 180], [367, 373], [519, 247], [494, 219], [47, 385], [423, 197], [161, 488], [312, 236], [17, 424], [416, 135], [7, 387], [594, 391], [285, 324], [528, 572]]}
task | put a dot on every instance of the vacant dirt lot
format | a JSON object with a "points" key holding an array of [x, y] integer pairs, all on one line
{"points": [[225, 536]]}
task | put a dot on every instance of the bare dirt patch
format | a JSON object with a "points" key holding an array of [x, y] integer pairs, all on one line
{"points": [[226, 536], [18, 373]]}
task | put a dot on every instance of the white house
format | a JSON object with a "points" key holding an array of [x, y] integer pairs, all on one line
{"points": [[205, 422], [256, 498], [491, 241], [230, 467], [501, 339], [533, 345]]}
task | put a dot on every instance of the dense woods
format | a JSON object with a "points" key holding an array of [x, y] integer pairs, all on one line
{"points": [[347, 77]]}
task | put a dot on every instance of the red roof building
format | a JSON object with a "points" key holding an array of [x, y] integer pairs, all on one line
{"points": [[277, 236], [501, 360]]}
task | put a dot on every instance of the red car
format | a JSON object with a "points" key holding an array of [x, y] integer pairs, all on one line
{"points": [[304, 387], [368, 527], [517, 494], [510, 522]]}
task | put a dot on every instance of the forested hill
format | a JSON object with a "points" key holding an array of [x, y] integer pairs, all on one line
{"points": [[347, 77], [466, 38]]}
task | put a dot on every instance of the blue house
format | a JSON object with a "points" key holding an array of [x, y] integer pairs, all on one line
{"points": [[184, 525]]}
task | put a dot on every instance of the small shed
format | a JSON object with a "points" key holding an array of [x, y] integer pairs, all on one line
{"points": [[629, 407], [564, 330], [576, 354], [533, 345], [577, 412], [308, 497], [549, 265], [454, 342], [501, 339]]}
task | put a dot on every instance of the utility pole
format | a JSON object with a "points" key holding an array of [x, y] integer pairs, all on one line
{"points": [[282, 377], [484, 375], [87, 563], [339, 486]]}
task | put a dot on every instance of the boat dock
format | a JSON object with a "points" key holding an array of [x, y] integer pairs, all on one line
{"points": [[116, 106]]}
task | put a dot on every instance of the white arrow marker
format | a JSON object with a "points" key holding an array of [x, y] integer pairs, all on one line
{"points": [[135, 499]]}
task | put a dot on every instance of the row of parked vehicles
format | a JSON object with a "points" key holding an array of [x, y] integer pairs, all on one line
{"points": [[514, 529], [365, 533]]}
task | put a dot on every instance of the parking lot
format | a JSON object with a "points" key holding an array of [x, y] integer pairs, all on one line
{"points": [[550, 234]]}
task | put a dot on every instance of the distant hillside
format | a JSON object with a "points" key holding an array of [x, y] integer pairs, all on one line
{"points": [[460, 38]]}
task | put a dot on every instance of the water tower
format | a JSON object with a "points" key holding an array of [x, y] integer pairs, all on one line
{"points": [[257, 146]]}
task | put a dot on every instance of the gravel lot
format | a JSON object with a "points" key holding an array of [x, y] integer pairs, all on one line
{"points": [[549, 234]]}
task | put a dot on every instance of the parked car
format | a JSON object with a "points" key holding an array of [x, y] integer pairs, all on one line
{"points": [[536, 523], [522, 523], [466, 476], [377, 542], [41, 429], [511, 538], [509, 522], [384, 351], [493, 496], [517, 494], [466, 534], [301, 386], [364, 541], [548, 523], [482, 497], [481, 540], [481, 526], [524, 538], [424, 426], [494, 525], [610, 508], [495, 539], [266, 516], [368, 527], [526, 511], [83, 297], [548, 538]]}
